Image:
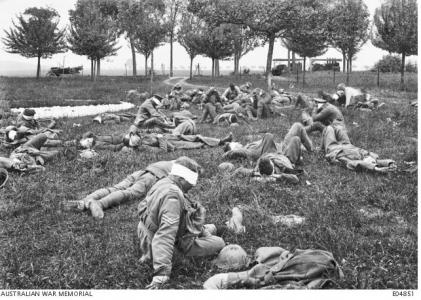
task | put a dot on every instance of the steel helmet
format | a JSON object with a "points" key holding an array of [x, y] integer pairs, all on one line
{"points": [[226, 167], [232, 257], [3, 177]]}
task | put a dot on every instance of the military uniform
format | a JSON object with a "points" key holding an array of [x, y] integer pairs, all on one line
{"points": [[212, 106], [169, 219], [326, 115], [291, 145], [338, 149], [149, 116], [133, 187], [186, 127], [231, 94]]}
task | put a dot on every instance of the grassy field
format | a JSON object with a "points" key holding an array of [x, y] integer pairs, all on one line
{"points": [[61, 91], [45, 247], [389, 83]]}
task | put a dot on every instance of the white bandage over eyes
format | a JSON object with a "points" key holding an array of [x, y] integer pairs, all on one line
{"points": [[185, 173], [12, 135]]}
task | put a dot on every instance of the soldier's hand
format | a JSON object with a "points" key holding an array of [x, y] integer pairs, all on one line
{"points": [[157, 282]]}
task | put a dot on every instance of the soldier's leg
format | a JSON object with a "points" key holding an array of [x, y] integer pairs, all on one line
{"points": [[267, 145], [328, 138], [37, 141], [341, 133], [136, 191], [124, 184], [315, 126], [205, 112], [53, 143], [292, 149], [205, 246], [298, 130]]}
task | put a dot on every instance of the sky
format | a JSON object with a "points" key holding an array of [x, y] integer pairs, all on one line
{"points": [[14, 64]]}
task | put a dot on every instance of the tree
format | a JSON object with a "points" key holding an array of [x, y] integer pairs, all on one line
{"points": [[173, 9], [349, 29], [130, 15], [36, 35], [93, 32], [396, 29], [245, 40], [151, 31], [269, 18], [190, 36], [217, 43], [310, 37], [392, 63]]}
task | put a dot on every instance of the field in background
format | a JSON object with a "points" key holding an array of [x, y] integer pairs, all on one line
{"points": [[369, 222], [24, 92], [314, 81]]}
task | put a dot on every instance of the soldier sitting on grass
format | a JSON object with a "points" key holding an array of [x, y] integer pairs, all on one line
{"points": [[170, 220], [148, 115]]}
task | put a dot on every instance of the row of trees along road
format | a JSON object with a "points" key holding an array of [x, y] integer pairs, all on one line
{"points": [[218, 29]]}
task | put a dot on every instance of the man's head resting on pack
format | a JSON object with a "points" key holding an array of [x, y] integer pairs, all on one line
{"points": [[266, 166]]}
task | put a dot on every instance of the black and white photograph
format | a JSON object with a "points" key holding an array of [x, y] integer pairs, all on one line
{"points": [[180, 145]]}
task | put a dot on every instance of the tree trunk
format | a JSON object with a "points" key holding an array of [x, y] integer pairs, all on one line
{"points": [[213, 67], [171, 53], [39, 66], [92, 69], [152, 64], [98, 67], [347, 72], [152, 73], [235, 63], [403, 71], [191, 67], [146, 66], [217, 67], [133, 58], [270, 54], [289, 61], [304, 71], [343, 62], [293, 62], [350, 64]]}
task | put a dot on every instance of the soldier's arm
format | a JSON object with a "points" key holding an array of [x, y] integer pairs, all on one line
{"points": [[325, 114], [164, 239]]}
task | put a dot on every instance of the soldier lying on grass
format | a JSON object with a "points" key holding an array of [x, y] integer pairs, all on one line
{"points": [[170, 220], [133, 188], [171, 142], [275, 161], [338, 149], [32, 155]]}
